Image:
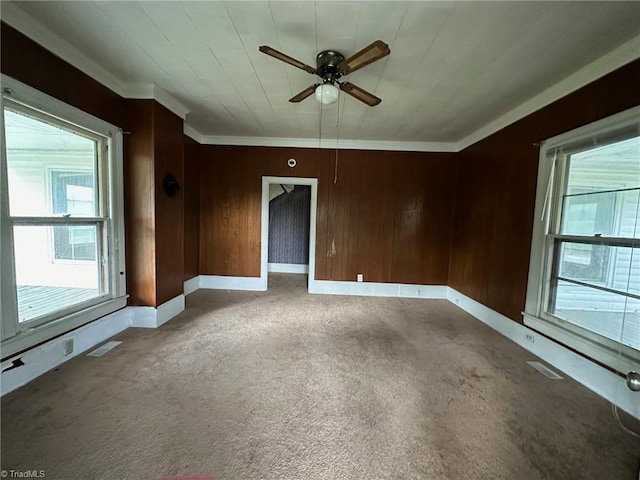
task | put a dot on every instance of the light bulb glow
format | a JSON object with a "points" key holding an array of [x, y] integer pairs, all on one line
{"points": [[327, 93]]}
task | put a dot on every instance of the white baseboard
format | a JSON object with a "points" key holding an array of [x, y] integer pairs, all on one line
{"points": [[601, 381], [150, 317], [170, 309], [220, 282], [372, 289], [143, 317], [49, 355], [287, 268], [191, 285]]}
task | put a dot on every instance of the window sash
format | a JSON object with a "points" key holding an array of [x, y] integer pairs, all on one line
{"points": [[598, 192], [105, 286], [597, 240], [102, 169], [596, 287], [60, 220], [557, 251]]}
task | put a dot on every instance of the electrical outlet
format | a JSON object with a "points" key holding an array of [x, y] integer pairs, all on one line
{"points": [[360, 277], [68, 347], [529, 337]]}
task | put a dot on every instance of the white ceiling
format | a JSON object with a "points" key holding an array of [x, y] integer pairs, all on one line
{"points": [[454, 67]]}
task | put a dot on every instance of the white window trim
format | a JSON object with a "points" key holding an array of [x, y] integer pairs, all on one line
{"points": [[619, 357], [14, 339]]}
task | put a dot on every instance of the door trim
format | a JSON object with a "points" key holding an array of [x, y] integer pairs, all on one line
{"points": [[264, 229]]}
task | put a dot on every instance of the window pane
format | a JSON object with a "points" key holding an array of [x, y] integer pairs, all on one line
{"points": [[51, 278], [74, 242], [617, 268], [603, 191], [608, 314], [52, 171]]}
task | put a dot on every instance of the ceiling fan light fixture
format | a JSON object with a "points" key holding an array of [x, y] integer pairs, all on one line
{"points": [[327, 93], [330, 66]]}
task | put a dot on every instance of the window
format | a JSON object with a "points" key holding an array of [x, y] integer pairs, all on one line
{"points": [[62, 218], [73, 193], [584, 282]]}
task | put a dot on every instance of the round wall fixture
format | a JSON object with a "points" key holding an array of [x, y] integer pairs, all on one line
{"points": [[291, 162], [170, 185]]}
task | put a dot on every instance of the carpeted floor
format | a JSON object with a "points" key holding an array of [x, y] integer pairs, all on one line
{"points": [[286, 385]]}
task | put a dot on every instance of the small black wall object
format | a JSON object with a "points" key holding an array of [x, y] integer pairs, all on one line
{"points": [[170, 185]]}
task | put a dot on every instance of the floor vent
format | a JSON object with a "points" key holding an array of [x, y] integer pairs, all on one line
{"points": [[98, 352], [546, 371]]}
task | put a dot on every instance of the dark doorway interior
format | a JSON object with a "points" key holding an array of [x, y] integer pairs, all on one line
{"points": [[289, 226]]}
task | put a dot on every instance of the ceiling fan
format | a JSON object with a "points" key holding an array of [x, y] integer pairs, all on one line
{"points": [[330, 66]]}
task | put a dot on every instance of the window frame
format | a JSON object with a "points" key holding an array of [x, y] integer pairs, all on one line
{"points": [[552, 171], [18, 336]]}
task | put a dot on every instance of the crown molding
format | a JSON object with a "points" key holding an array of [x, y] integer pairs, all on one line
{"points": [[165, 98], [330, 143], [191, 132], [51, 41], [151, 91], [624, 54]]}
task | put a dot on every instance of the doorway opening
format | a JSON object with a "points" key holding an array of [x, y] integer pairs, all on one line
{"points": [[288, 231]]}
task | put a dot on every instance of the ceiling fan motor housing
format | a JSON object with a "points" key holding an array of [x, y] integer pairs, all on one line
{"points": [[327, 63]]}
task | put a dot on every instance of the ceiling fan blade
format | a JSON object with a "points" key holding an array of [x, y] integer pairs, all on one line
{"points": [[304, 94], [360, 94], [364, 57], [286, 58]]}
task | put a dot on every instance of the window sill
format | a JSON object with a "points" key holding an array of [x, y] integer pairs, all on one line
{"points": [[37, 335], [621, 358]]}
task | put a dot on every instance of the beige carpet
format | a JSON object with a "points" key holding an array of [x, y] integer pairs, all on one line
{"points": [[286, 385]]}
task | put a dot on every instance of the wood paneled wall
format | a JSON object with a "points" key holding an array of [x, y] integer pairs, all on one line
{"points": [[493, 219], [140, 205], [386, 215], [191, 187], [390, 217], [154, 221], [168, 154]]}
